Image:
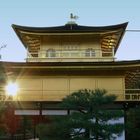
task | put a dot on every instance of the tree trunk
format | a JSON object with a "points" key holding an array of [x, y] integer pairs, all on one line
{"points": [[34, 131], [125, 123], [87, 133], [97, 123]]}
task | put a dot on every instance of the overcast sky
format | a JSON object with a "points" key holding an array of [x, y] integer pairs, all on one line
{"points": [[44, 13]]}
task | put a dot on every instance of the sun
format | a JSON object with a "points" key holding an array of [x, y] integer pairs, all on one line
{"points": [[12, 89]]}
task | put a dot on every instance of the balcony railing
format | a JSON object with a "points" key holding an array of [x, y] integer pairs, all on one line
{"points": [[58, 95], [71, 54], [132, 95]]}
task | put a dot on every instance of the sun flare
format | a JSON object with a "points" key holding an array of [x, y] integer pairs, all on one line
{"points": [[12, 89]]}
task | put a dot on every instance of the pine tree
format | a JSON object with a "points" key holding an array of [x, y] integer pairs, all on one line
{"points": [[133, 123], [92, 114], [89, 120]]}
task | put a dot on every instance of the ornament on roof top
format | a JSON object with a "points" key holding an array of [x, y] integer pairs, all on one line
{"points": [[73, 17]]}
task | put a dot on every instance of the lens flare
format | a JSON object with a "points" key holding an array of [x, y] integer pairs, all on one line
{"points": [[12, 89]]}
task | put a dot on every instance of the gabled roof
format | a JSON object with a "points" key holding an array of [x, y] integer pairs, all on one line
{"points": [[110, 36]]}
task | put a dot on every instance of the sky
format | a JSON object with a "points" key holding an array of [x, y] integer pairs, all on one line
{"points": [[46, 13]]}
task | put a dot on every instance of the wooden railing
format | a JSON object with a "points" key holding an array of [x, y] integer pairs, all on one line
{"points": [[71, 54], [45, 95], [132, 94]]}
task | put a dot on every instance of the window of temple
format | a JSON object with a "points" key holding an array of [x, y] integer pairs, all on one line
{"points": [[72, 47], [51, 53], [90, 52], [70, 50]]}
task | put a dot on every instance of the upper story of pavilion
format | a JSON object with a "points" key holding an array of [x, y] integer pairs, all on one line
{"points": [[71, 42]]}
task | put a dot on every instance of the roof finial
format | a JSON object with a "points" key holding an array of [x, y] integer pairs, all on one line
{"points": [[73, 17]]}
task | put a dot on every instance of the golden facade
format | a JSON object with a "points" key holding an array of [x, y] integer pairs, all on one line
{"points": [[64, 59]]}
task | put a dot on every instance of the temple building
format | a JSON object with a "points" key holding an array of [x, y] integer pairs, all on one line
{"points": [[64, 59]]}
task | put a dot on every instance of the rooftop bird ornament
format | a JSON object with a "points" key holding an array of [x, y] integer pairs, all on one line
{"points": [[73, 17]]}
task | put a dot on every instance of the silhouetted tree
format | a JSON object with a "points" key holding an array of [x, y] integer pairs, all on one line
{"points": [[89, 120], [11, 121], [2, 125], [133, 123]]}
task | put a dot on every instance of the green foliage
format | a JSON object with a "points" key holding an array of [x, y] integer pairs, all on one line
{"points": [[2, 125], [57, 130], [2, 74], [2, 107], [25, 125], [2, 129], [89, 120], [88, 99], [133, 124]]}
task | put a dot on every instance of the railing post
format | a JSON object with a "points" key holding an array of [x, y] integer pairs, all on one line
{"points": [[100, 53], [27, 54], [59, 54], [113, 52]]}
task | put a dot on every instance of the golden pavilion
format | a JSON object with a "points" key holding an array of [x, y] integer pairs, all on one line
{"points": [[64, 59]]}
